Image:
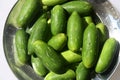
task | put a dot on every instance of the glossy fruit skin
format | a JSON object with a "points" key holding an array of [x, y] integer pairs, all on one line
{"points": [[74, 32], [82, 73], [68, 75], [50, 58], [29, 9], [58, 41], [82, 7], [90, 46], [38, 33], [58, 20], [106, 55], [52, 2], [71, 56], [88, 19], [38, 66], [103, 33], [20, 55]]}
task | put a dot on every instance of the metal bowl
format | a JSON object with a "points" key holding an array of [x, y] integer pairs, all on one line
{"points": [[106, 13]]}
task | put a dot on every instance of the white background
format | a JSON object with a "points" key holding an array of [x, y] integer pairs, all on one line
{"points": [[5, 71], [5, 7]]}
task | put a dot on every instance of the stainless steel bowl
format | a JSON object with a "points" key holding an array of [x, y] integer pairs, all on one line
{"points": [[107, 14]]}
